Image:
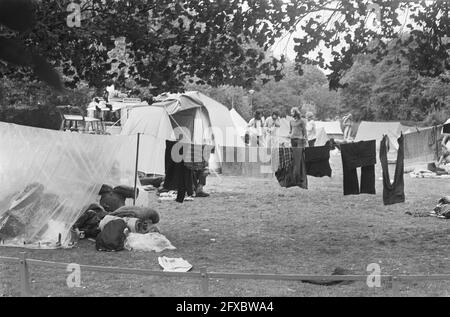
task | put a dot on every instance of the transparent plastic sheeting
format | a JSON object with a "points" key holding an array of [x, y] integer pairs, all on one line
{"points": [[48, 178]]}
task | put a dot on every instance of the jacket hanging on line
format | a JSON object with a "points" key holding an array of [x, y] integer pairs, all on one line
{"points": [[393, 193]]}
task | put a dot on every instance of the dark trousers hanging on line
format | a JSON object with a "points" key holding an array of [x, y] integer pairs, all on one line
{"points": [[355, 155], [393, 193]]}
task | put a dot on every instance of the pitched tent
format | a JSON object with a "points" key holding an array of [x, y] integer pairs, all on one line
{"points": [[50, 177], [332, 129], [239, 122], [375, 130], [322, 137], [207, 121], [153, 123]]}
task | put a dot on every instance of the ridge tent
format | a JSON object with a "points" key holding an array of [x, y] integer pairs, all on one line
{"points": [[321, 137], [207, 121], [153, 123], [375, 130], [332, 129]]}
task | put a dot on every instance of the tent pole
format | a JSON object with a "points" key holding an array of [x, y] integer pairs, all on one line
{"points": [[136, 169]]}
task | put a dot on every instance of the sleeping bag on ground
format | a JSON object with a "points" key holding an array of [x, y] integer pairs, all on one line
{"points": [[142, 213], [112, 238]]}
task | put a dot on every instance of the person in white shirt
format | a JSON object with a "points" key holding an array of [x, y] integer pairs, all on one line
{"points": [[311, 129], [271, 126], [445, 157], [256, 127], [347, 122]]}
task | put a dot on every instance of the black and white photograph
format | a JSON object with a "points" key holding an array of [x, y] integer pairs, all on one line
{"points": [[224, 154]]}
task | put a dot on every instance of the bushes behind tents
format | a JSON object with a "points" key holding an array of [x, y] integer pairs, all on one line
{"points": [[40, 116]]}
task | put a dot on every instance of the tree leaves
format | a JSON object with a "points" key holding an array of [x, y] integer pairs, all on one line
{"points": [[19, 15]]}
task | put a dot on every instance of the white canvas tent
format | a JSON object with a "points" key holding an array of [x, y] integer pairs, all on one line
{"points": [[50, 177], [332, 129], [321, 137], [153, 123], [239, 122], [207, 121], [375, 130]]}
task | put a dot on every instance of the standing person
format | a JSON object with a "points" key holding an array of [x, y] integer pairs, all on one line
{"points": [[445, 144], [256, 124], [298, 133], [272, 125], [311, 129], [348, 126]]}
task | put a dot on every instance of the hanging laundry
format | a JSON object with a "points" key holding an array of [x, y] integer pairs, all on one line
{"points": [[355, 155], [318, 161], [178, 176], [292, 168], [393, 193]]}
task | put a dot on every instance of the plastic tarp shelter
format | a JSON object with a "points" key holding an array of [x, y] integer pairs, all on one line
{"points": [[375, 130], [50, 177], [153, 123]]}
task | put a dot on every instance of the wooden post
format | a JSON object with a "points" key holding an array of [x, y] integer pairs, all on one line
{"points": [[25, 290], [136, 168], [205, 282]]}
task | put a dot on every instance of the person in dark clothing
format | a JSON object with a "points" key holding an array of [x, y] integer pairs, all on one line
{"points": [[355, 155], [393, 193], [178, 176]]}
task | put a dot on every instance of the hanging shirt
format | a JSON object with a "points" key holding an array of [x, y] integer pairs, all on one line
{"points": [[318, 161], [393, 193]]}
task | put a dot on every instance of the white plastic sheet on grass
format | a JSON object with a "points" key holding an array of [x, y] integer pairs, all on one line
{"points": [[49, 177]]}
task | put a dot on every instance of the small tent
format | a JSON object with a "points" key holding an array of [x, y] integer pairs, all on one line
{"points": [[321, 137], [332, 129], [154, 125], [375, 130]]}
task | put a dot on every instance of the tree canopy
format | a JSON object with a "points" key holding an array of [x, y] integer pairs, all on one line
{"points": [[227, 42]]}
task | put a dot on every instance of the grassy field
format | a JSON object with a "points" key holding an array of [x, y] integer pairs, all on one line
{"points": [[255, 226]]}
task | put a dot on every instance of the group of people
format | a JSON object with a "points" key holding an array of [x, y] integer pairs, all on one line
{"points": [[302, 129]]}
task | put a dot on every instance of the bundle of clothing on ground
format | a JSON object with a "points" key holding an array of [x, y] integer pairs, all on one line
{"points": [[441, 211], [431, 171], [110, 221]]}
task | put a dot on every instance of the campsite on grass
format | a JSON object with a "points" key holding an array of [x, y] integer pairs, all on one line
{"points": [[254, 149]]}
